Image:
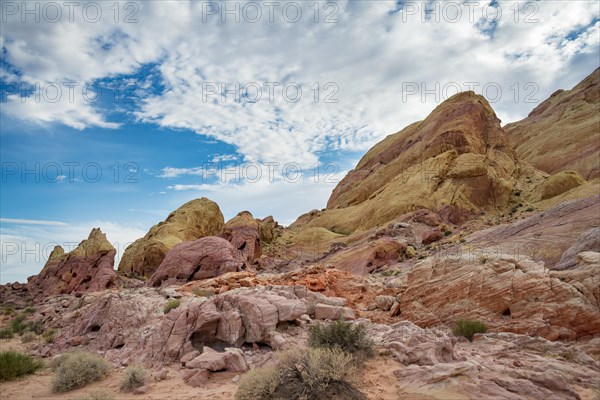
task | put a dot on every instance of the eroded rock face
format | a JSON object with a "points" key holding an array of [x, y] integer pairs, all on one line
{"points": [[545, 236], [504, 366], [87, 268], [195, 219], [367, 257], [508, 294], [588, 241], [562, 132], [243, 231], [199, 259]]}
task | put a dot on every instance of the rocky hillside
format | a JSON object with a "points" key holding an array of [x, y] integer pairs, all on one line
{"points": [[562, 132]]}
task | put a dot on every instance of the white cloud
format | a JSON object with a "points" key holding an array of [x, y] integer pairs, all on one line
{"points": [[369, 56]]}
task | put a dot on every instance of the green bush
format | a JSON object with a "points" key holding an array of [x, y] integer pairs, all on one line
{"points": [[349, 337], [17, 324], [171, 304], [468, 328], [29, 310], [49, 335], [312, 374], [27, 337], [134, 377], [76, 369], [98, 394], [14, 364], [6, 333], [36, 327], [9, 310]]}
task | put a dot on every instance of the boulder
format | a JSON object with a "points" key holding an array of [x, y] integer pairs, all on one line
{"points": [[559, 183], [199, 259], [88, 268], [195, 219], [325, 311], [243, 232]]}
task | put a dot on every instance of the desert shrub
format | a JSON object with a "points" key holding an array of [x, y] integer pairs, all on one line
{"points": [[134, 377], [6, 333], [447, 232], [17, 325], [49, 335], [29, 310], [98, 394], [468, 328], [27, 337], [349, 337], [9, 310], [76, 369], [36, 327], [171, 304], [312, 374], [14, 364]]}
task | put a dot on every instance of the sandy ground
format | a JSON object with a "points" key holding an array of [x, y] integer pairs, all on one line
{"points": [[376, 380]]}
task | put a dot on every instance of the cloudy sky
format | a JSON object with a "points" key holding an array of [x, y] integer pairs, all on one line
{"points": [[114, 114]]}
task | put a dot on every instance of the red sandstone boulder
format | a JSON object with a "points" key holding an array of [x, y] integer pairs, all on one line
{"points": [[199, 259]]}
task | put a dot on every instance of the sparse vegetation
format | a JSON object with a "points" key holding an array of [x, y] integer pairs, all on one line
{"points": [[49, 335], [468, 328], [27, 337], [447, 232], [171, 304], [9, 310], [29, 310], [312, 374], [530, 209], [17, 324], [348, 337], [76, 369], [134, 377], [6, 333], [14, 364]]}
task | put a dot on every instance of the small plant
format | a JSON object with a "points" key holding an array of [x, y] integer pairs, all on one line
{"points": [[98, 394], [134, 377], [49, 335], [27, 337], [171, 304], [29, 310], [348, 337], [6, 333], [303, 374], [36, 327], [76, 369], [530, 209], [447, 232], [14, 364], [17, 324], [9, 310], [468, 328], [203, 292]]}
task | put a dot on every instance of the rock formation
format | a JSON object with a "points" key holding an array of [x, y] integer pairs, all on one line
{"points": [[195, 219], [199, 259], [243, 231], [89, 267], [562, 132], [510, 295]]}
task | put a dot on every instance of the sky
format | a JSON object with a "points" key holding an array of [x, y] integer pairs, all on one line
{"points": [[113, 114]]}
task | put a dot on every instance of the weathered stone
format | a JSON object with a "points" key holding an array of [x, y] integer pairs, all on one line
{"points": [[324, 311], [193, 220]]}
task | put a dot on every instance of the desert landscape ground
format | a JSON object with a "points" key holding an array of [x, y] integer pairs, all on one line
{"points": [[460, 258]]}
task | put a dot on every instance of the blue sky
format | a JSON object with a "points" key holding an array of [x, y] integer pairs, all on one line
{"points": [[146, 95]]}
